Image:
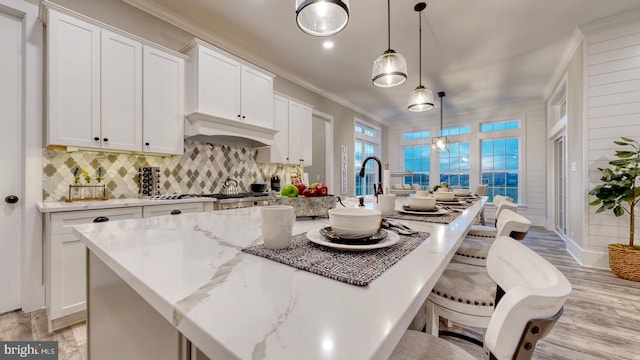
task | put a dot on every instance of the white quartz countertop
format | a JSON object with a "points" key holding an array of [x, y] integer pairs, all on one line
{"points": [[231, 304], [58, 206]]}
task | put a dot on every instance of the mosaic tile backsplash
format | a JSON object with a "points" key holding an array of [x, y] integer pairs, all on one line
{"points": [[203, 168]]}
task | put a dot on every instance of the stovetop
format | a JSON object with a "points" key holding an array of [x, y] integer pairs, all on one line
{"points": [[215, 196], [234, 196]]}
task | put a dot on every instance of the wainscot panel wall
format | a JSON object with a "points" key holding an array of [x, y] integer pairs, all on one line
{"points": [[612, 69]]}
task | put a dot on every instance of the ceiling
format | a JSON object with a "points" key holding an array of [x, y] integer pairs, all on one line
{"points": [[482, 53]]}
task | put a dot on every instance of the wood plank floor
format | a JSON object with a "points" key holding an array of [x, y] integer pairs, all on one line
{"points": [[601, 317]]}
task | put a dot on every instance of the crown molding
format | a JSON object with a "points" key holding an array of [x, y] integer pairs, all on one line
{"points": [[152, 8], [567, 54]]}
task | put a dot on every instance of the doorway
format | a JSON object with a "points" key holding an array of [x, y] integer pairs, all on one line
{"points": [[321, 168], [560, 165], [11, 185]]}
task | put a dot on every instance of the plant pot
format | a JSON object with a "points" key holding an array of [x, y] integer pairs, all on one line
{"points": [[624, 261]]}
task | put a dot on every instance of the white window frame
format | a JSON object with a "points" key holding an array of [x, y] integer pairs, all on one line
{"points": [[375, 140]]}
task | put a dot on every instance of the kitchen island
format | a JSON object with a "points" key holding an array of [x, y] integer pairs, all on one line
{"points": [[180, 287]]}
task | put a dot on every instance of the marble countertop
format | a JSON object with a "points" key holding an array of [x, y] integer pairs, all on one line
{"points": [[59, 206], [231, 304]]}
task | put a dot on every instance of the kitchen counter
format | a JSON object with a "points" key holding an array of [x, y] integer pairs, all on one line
{"points": [[191, 272], [58, 206]]}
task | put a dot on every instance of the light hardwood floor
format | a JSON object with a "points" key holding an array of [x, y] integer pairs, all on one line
{"points": [[601, 317]]}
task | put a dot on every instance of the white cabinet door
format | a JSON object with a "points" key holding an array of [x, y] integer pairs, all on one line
{"points": [[295, 111], [218, 84], [121, 92], [172, 209], [257, 98], [73, 87], [163, 102], [280, 147], [305, 133], [66, 277]]}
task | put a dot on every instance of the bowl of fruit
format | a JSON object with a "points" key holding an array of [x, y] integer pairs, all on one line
{"points": [[313, 200]]}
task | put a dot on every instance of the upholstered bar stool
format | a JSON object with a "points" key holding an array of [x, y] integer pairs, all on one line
{"points": [[481, 190], [530, 295], [490, 231], [476, 244]]}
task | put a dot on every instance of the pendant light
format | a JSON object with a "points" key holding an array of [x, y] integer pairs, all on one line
{"points": [[440, 143], [322, 17], [390, 69], [420, 99]]}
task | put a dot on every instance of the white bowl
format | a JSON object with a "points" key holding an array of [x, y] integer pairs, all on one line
{"points": [[444, 195], [421, 202], [353, 223], [422, 193], [461, 192]]}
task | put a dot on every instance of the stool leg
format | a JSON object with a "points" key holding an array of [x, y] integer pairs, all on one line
{"points": [[432, 319], [482, 221]]}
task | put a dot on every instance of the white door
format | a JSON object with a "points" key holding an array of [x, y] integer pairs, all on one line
{"points": [[10, 161]]}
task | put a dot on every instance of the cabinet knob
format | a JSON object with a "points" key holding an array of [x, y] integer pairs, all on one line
{"points": [[96, 138], [11, 199], [243, 116], [146, 144], [238, 115], [100, 219], [176, 212], [105, 139]]}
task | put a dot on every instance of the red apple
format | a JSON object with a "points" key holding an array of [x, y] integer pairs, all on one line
{"points": [[322, 189], [311, 192], [301, 187]]}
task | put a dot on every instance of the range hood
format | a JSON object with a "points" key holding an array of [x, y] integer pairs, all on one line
{"points": [[207, 128]]}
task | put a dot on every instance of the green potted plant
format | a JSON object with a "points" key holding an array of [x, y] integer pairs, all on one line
{"points": [[619, 192]]}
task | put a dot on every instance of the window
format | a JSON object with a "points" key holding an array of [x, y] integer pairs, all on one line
{"points": [[462, 130], [416, 135], [366, 143], [455, 165], [500, 126], [418, 160], [500, 166]]}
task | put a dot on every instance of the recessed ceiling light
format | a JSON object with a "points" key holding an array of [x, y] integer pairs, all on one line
{"points": [[327, 44]]}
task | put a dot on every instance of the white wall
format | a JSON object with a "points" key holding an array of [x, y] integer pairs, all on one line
{"points": [[612, 109], [533, 120]]}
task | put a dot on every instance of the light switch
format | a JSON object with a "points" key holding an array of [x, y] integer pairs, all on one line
{"points": [[573, 166]]}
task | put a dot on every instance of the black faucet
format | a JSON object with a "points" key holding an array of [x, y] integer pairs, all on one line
{"points": [[377, 191]]}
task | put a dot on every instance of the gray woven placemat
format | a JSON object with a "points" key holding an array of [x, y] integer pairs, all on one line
{"points": [[353, 267], [440, 219]]}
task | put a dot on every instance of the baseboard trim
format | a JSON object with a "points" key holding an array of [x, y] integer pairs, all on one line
{"points": [[586, 258]]}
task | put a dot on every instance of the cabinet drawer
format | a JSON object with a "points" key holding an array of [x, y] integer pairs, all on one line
{"points": [[172, 209], [61, 222]]}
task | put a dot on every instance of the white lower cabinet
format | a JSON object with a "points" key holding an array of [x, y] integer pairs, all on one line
{"points": [[65, 255], [65, 270], [171, 209]]}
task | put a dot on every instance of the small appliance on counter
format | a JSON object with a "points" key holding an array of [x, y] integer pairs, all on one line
{"points": [[275, 183], [149, 181]]}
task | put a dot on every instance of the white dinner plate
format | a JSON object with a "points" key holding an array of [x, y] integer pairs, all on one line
{"points": [[315, 237], [440, 211]]}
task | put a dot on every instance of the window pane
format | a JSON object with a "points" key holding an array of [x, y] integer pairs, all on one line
{"points": [[486, 127], [498, 146], [511, 162]]}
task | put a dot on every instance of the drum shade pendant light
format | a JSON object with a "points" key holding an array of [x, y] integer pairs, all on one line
{"points": [[390, 69], [420, 99], [440, 143], [322, 17]]}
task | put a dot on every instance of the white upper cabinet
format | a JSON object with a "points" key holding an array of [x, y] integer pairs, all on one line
{"points": [[223, 87], [111, 90], [256, 97], [121, 92], [292, 142], [163, 102], [73, 86]]}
